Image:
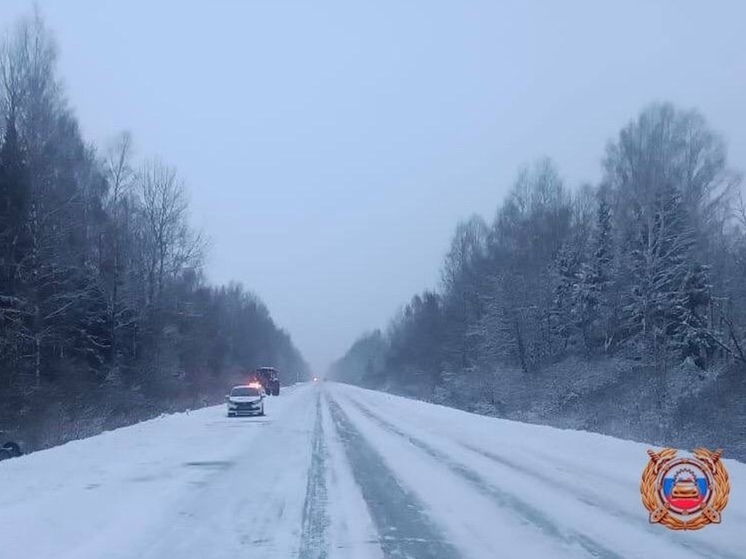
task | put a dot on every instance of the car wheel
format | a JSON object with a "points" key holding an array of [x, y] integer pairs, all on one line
{"points": [[5, 454], [13, 448]]}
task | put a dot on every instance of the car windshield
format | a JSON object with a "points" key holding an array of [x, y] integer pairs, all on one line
{"points": [[245, 391]]}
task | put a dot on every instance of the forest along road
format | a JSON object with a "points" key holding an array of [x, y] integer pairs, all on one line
{"points": [[335, 471]]}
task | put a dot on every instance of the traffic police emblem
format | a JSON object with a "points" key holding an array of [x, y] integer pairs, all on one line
{"points": [[685, 493]]}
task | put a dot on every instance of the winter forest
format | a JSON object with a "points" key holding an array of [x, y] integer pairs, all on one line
{"points": [[618, 307], [105, 316]]}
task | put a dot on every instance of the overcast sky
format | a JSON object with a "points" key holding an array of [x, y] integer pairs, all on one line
{"points": [[330, 148]]}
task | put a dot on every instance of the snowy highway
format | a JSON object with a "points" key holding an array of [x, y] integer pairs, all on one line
{"points": [[335, 471]]}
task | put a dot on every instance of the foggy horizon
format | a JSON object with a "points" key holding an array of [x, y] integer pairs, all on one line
{"points": [[329, 165]]}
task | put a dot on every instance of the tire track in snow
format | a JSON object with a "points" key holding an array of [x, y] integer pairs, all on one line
{"points": [[702, 549], [524, 510], [314, 543], [404, 529]]}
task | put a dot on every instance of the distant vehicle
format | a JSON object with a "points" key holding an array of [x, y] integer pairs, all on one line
{"points": [[268, 377], [10, 450], [246, 400]]}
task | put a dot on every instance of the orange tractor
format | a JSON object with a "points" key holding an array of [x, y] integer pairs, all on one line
{"points": [[268, 378]]}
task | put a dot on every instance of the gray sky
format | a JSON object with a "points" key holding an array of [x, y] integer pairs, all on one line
{"points": [[330, 148]]}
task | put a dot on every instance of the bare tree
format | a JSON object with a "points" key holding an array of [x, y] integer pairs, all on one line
{"points": [[120, 175], [169, 244], [460, 279]]}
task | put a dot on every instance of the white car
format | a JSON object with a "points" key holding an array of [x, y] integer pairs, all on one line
{"points": [[246, 400]]}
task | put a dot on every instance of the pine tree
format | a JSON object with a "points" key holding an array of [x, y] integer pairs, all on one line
{"points": [[692, 336], [660, 263], [567, 298], [14, 245], [14, 200], [582, 305], [596, 314]]}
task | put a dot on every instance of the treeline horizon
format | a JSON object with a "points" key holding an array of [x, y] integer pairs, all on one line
{"points": [[645, 270], [105, 314]]}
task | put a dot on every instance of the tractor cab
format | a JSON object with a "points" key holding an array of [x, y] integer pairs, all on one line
{"points": [[269, 378]]}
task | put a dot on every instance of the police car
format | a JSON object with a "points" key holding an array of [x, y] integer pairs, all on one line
{"points": [[246, 399]]}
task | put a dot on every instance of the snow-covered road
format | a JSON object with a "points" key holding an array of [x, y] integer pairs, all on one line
{"points": [[339, 472]]}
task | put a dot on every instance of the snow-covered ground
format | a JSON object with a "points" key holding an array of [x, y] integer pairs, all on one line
{"points": [[340, 472]]}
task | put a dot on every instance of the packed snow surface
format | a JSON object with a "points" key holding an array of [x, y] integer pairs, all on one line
{"points": [[335, 471]]}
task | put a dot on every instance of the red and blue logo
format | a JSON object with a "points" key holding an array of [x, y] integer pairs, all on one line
{"points": [[685, 486], [687, 492]]}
